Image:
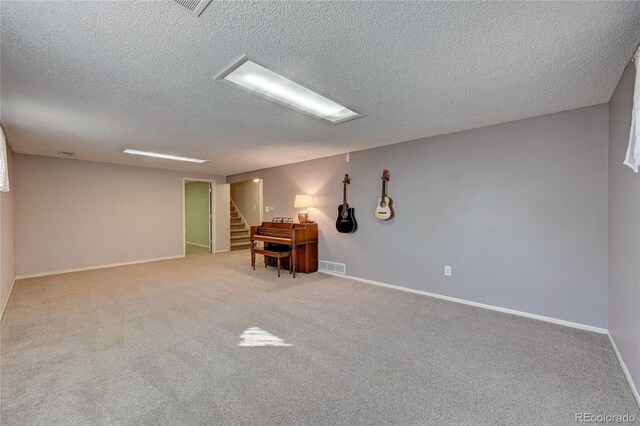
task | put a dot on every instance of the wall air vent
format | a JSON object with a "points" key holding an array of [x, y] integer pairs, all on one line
{"points": [[333, 267], [195, 6]]}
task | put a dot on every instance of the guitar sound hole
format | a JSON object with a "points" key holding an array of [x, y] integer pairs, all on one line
{"points": [[383, 204]]}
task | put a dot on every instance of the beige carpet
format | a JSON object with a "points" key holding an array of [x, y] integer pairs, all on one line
{"points": [[158, 343]]}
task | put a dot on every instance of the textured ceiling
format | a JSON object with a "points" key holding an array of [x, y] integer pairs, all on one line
{"points": [[96, 77]]}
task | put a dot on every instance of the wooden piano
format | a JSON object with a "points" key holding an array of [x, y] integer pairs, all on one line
{"points": [[301, 239]]}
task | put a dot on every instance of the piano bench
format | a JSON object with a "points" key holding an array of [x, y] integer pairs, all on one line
{"points": [[275, 254]]}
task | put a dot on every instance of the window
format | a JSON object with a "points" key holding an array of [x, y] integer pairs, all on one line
{"points": [[4, 167]]}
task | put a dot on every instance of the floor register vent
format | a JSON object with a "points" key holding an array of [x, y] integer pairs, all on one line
{"points": [[333, 267]]}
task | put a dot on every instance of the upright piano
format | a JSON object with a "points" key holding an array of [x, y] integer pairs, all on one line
{"points": [[300, 238]]}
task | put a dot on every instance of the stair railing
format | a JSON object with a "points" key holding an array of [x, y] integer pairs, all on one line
{"points": [[244, 221]]}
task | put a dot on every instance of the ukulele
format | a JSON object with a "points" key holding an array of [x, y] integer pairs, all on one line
{"points": [[346, 222], [383, 209]]}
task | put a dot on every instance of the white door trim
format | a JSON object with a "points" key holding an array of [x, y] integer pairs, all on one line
{"points": [[261, 200]]}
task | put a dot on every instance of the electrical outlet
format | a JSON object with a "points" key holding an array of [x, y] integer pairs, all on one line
{"points": [[268, 209], [447, 270]]}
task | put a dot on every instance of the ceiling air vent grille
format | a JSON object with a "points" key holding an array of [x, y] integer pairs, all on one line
{"points": [[196, 6]]}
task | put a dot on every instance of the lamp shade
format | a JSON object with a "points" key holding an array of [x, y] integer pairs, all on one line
{"points": [[303, 201]]}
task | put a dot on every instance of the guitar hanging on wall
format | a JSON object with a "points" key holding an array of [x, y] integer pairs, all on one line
{"points": [[346, 222], [384, 211]]}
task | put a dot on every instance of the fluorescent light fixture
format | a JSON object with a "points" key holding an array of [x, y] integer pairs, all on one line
{"points": [[164, 156], [283, 90]]}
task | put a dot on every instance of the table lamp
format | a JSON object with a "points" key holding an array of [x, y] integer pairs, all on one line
{"points": [[303, 202]]}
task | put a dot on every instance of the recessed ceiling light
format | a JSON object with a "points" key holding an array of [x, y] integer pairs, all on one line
{"points": [[164, 156], [260, 80]]}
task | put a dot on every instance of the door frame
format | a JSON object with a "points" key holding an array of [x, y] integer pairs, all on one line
{"points": [[261, 184], [212, 214]]}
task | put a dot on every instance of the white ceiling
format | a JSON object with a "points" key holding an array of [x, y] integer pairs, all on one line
{"points": [[96, 77]]}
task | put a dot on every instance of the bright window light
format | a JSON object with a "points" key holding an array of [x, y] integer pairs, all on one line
{"points": [[274, 86], [164, 156], [4, 168]]}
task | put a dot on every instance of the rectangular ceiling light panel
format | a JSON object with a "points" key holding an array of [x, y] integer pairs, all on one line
{"points": [[163, 156], [263, 81]]}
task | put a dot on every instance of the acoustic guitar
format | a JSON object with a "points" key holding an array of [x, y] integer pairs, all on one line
{"points": [[346, 222], [384, 211]]}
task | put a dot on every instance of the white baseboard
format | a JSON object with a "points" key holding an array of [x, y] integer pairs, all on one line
{"points": [[476, 304], [89, 268], [6, 302], [221, 251], [627, 374], [196, 244]]}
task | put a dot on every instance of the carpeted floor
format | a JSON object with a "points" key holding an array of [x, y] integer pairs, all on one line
{"points": [[158, 343]]}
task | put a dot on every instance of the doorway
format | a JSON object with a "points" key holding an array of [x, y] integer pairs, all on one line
{"points": [[246, 211], [198, 217]]}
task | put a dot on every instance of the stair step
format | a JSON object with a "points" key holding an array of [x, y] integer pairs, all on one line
{"points": [[237, 238], [240, 244], [240, 247], [240, 232]]}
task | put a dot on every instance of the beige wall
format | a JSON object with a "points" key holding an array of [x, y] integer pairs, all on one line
{"points": [[247, 195], [73, 214], [221, 218], [7, 267]]}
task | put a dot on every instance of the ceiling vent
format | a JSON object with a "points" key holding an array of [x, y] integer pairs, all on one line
{"points": [[195, 6]]}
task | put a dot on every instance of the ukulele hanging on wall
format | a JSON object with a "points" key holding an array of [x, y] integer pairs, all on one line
{"points": [[346, 222], [384, 211]]}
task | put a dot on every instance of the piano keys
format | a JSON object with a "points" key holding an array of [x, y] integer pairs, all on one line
{"points": [[301, 239]]}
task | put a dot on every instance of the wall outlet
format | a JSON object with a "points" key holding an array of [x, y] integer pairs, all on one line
{"points": [[447, 270], [268, 209]]}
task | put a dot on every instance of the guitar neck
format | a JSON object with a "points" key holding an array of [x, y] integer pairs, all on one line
{"points": [[344, 194], [384, 185]]}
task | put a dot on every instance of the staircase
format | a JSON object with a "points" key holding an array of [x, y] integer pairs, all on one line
{"points": [[239, 230]]}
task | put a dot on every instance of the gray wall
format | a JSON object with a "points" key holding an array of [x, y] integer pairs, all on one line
{"points": [[624, 231], [246, 195], [518, 209], [7, 267], [74, 214]]}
